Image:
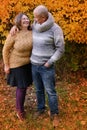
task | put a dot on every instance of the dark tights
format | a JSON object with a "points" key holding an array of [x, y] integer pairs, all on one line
{"points": [[20, 99]]}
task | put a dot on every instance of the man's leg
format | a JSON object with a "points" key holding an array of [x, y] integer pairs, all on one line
{"points": [[48, 77], [39, 88]]}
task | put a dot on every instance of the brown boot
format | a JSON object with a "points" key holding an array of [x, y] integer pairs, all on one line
{"points": [[21, 116]]}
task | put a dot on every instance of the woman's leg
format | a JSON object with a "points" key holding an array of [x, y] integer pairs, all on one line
{"points": [[20, 99]]}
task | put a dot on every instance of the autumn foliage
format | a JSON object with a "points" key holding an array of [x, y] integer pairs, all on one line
{"points": [[71, 15]]}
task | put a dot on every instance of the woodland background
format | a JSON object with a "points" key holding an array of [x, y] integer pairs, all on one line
{"points": [[71, 69], [71, 15]]}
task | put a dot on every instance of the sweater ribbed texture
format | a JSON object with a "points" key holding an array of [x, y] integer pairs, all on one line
{"points": [[48, 42]]}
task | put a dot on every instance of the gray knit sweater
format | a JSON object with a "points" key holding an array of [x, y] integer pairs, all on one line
{"points": [[48, 42]]}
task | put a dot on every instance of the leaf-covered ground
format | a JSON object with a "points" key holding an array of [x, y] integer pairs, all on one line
{"points": [[72, 105]]}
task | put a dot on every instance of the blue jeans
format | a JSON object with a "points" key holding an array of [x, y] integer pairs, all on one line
{"points": [[44, 79]]}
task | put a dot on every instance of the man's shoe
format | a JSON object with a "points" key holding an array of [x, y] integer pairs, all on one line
{"points": [[55, 120], [38, 113]]}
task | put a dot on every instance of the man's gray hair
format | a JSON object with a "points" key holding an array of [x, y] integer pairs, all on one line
{"points": [[41, 10]]}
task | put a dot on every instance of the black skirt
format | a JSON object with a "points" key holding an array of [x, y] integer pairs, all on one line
{"points": [[20, 77]]}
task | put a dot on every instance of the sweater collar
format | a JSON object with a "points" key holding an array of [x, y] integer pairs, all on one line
{"points": [[46, 25]]}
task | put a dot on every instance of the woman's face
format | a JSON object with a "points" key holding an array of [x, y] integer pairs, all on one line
{"points": [[24, 21]]}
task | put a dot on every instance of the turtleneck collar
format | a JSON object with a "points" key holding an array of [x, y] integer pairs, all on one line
{"points": [[44, 26]]}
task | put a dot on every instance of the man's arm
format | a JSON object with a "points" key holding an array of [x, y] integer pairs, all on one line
{"points": [[59, 46], [13, 30]]}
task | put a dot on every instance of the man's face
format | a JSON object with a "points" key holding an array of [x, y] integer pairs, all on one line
{"points": [[39, 19]]}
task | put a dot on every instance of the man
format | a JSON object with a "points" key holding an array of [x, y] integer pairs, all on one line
{"points": [[48, 47]]}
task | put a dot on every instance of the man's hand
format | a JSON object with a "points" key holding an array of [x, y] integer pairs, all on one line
{"points": [[46, 65], [13, 30]]}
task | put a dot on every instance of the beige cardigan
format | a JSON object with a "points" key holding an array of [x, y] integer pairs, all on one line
{"points": [[17, 49]]}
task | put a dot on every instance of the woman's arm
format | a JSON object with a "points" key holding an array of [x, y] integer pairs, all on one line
{"points": [[6, 52]]}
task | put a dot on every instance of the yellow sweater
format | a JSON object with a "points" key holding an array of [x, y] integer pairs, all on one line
{"points": [[17, 49]]}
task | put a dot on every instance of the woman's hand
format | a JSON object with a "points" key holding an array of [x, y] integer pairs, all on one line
{"points": [[7, 69]]}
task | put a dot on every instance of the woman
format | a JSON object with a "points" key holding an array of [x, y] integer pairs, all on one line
{"points": [[16, 57]]}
